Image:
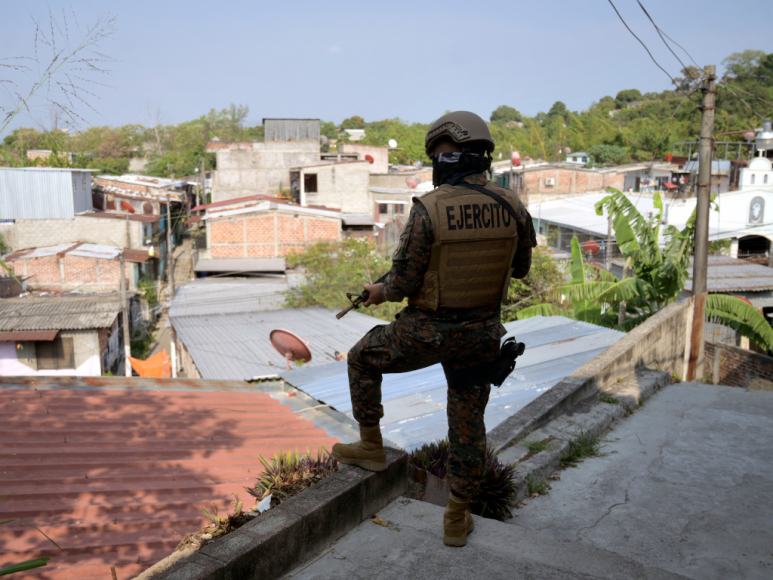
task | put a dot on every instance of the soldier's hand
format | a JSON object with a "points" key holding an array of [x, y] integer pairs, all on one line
{"points": [[375, 297]]}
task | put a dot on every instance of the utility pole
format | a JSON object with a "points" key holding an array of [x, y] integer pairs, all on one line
{"points": [[169, 252], [125, 313], [701, 256], [512, 173], [203, 196]]}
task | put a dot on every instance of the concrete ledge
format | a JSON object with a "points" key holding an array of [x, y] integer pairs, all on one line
{"points": [[660, 343], [588, 416], [284, 537]]}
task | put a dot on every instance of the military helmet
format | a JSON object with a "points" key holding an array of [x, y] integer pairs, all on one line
{"points": [[461, 127]]}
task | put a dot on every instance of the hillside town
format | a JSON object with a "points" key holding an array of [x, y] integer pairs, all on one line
{"points": [[233, 348]]}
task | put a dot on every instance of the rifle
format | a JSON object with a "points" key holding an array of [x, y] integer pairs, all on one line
{"points": [[357, 299]]}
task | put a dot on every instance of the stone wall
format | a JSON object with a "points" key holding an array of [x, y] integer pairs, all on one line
{"points": [[737, 367], [25, 234], [268, 234], [341, 186], [247, 168]]}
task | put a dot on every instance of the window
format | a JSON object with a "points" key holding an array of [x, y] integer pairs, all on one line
{"points": [[383, 208], [310, 183], [754, 178], [765, 180], [56, 354]]}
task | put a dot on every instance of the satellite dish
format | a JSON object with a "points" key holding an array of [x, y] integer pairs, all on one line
{"points": [[567, 150], [392, 143], [749, 135], [369, 158], [411, 182], [290, 345]]}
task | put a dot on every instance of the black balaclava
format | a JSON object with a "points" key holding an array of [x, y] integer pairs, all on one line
{"points": [[451, 168]]}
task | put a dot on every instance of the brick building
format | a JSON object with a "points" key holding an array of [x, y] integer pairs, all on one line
{"points": [[81, 267], [540, 183], [268, 229]]}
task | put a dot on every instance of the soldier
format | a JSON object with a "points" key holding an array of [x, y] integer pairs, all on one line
{"points": [[456, 255]]}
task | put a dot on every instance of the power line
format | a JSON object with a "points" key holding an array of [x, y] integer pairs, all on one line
{"points": [[640, 41], [752, 95], [661, 35], [743, 101]]}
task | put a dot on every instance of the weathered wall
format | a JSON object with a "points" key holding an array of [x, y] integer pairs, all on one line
{"points": [[268, 234], [737, 367], [74, 272], [245, 169], [87, 357], [24, 234], [397, 180], [568, 183], [380, 155], [9, 288], [342, 186]]}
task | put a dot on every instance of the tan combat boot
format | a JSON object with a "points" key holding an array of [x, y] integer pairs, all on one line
{"points": [[367, 453], [457, 522]]}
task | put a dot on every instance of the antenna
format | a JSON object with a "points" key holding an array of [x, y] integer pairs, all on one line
{"points": [[290, 345]]}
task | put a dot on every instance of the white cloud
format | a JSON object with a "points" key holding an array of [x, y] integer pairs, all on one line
{"points": [[335, 49]]}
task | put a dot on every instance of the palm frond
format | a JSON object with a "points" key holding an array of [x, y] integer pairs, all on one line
{"points": [[741, 316]]}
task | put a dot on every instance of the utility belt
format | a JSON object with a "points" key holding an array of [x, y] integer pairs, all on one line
{"points": [[494, 373]]}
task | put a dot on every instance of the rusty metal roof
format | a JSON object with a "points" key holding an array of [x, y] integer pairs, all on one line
{"points": [[58, 313], [726, 274], [115, 473], [81, 249]]}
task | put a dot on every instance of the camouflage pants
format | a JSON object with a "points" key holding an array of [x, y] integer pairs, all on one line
{"points": [[401, 347]]}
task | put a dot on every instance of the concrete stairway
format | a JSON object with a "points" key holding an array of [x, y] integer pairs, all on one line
{"points": [[183, 264]]}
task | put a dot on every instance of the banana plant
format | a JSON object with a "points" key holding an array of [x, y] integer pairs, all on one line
{"points": [[659, 276]]}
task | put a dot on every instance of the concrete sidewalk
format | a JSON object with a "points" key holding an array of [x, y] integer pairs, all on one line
{"points": [[685, 486], [412, 547]]}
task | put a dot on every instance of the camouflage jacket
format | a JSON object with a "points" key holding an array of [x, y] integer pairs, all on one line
{"points": [[411, 260]]}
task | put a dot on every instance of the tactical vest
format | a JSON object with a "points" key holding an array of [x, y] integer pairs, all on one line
{"points": [[475, 240]]}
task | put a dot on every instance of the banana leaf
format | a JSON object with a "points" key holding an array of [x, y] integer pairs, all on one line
{"points": [[541, 310], [741, 316], [22, 566]]}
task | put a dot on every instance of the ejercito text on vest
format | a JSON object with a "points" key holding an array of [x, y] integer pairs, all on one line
{"points": [[472, 253]]}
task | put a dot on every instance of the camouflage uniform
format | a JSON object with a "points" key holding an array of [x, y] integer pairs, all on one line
{"points": [[419, 338]]}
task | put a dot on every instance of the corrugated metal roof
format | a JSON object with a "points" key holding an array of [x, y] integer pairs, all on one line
{"points": [[116, 476], [240, 265], [83, 250], [44, 335], [32, 194], [207, 296], [291, 129], [415, 402], [237, 346], [58, 313], [726, 274], [358, 220]]}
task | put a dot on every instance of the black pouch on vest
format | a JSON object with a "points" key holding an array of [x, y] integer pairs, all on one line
{"points": [[494, 373]]}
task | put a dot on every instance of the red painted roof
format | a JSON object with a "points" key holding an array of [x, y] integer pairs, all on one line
{"points": [[113, 476]]}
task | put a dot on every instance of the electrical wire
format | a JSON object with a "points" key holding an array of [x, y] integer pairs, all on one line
{"points": [[661, 35], [750, 94], [743, 101]]}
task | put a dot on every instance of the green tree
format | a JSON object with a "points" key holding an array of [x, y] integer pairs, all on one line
{"points": [[557, 110], [505, 114], [607, 154], [335, 268], [746, 63], [353, 123], [627, 96], [659, 276]]}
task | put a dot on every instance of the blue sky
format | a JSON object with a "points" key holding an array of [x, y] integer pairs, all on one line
{"points": [[412, 60]]}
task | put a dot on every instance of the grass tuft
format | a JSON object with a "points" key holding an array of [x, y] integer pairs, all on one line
{"points": [[610, 400], [536, 486], [535, 447], [584, 445]]}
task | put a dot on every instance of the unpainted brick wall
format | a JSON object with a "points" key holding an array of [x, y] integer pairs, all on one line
{"points": [[268, 234], [736, 367], [568, 183], [73, 273]]}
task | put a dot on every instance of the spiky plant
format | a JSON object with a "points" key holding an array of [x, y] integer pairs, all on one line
{"points": [[288, 473], [496, 493]]}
